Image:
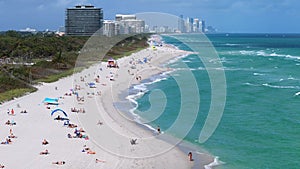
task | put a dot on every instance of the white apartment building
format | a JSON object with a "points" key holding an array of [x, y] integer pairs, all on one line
{"points": [[129, 24]]}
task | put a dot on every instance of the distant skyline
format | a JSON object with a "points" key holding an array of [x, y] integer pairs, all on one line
{"points": [[232, 16]]}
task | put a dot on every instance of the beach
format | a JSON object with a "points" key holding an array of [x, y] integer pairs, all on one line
{"points": [[96, 134]]}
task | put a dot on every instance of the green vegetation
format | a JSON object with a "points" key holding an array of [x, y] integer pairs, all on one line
{"points": [[11, 94], [26, 59], [55, 77]]}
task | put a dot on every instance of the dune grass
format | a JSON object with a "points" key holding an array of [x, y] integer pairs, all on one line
{"points": [[14, 93], [56, 77]]}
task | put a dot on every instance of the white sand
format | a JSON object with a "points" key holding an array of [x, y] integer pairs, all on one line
{"points": [[110, 141]]}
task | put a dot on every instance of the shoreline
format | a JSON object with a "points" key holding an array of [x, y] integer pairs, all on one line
{"points": [[110, 141], [202, 158]]}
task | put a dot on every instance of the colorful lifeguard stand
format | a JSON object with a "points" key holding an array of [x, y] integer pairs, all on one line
{"points": [[112, 63]]}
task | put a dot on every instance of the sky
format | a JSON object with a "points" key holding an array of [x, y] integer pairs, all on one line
{"points": [[230, 16]]}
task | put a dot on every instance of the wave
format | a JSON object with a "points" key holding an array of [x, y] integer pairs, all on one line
{"points": [[156, 80], [291, 78], [215, 163], [273, 86], [281, 87], [140, 87], [261, 53], [223, 68], [232, 44], [176, 59], [251, 84], [218, 60], [293, 57], [187, 61], [258, 74], [140, 90], [297, 94], [205, 69]]}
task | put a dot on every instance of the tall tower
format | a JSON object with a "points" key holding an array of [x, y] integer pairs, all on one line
{"points": [[83, 20], [196, 25], [189, 24], [181, 25], [203, 26]]}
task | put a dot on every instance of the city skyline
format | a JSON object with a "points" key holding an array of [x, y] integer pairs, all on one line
{"points": [[252, 16]]}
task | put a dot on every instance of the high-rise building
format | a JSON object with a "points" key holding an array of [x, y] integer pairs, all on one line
{"points": [[128, 24], [83, 20], [109, 28], [189, 24], [196, 25], [181, 25], [120, 17], [203, 27]]}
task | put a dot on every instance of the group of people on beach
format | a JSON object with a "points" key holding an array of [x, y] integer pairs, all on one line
{"points": [[10, 123], [87, 150], [81, 110], [11, 112], [46, 152], [44, 143], [78, 133], [8, 139]]}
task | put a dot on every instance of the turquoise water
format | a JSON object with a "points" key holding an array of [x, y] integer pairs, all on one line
{"points": [[260, 126]]}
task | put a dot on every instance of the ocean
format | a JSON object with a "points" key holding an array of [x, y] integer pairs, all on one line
{"points": [[238, 98]]}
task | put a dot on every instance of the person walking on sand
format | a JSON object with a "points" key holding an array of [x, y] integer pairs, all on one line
{"points": [[190, 155], [158, 130]]}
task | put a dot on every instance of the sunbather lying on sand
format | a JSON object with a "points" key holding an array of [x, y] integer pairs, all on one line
{"points": [[102, 161], [88, 150], [59, 162], [74, 110], [44, 152], [10, 122], [23, 111], [7, 141], [72, 125], [60, 118], [91, 152]]}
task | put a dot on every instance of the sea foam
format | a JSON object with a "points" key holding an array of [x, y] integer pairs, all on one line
{"points": [[215, 163]]}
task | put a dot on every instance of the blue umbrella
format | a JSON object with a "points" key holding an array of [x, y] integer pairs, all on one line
{"points": [[56, 110]]}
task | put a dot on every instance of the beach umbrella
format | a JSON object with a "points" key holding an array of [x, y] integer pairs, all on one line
{"points": [[92, 85], [59, 110], [51, 101]]}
